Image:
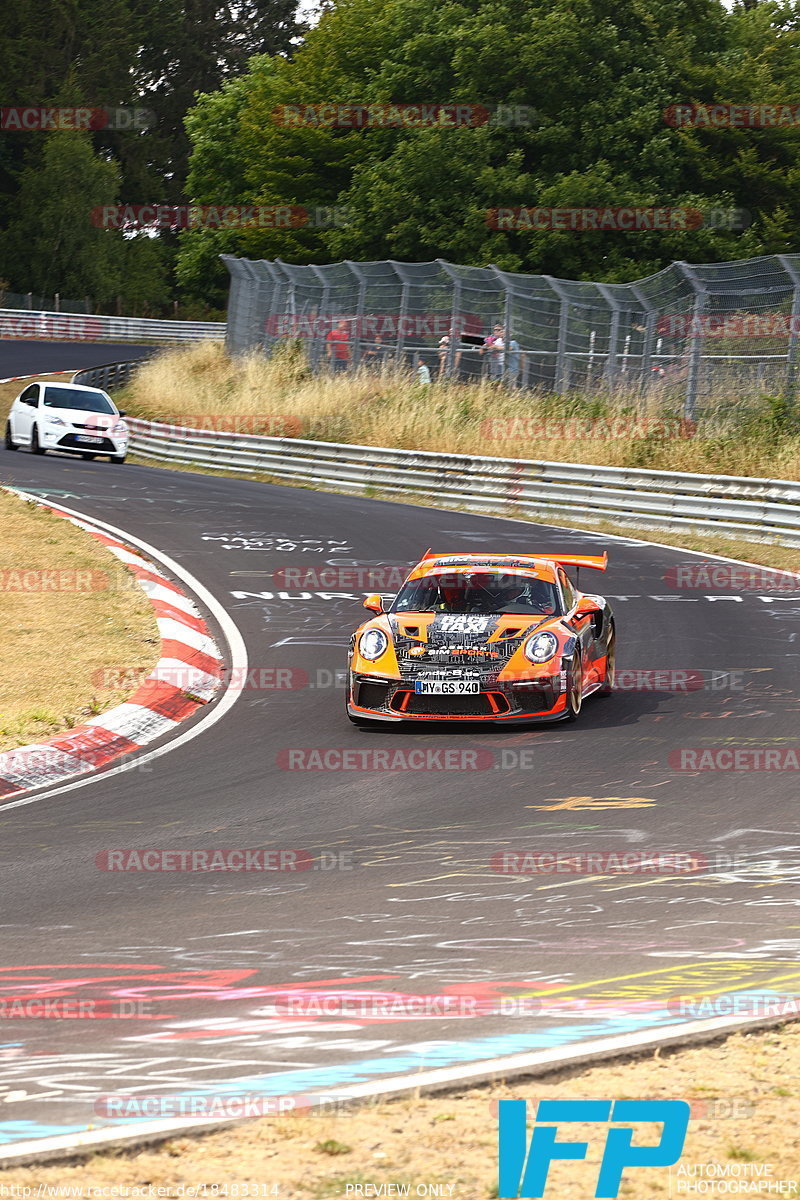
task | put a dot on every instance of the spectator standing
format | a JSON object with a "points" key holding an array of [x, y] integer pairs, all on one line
{"points": [[494, 346], [337, 346]]}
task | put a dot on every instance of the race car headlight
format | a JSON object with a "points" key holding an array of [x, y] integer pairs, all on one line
{"points": [[541, 648], [372, 644], [119, 429], [52, 419]]}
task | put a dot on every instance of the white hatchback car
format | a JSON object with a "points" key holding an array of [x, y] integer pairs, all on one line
{"points": [[67, 417]]}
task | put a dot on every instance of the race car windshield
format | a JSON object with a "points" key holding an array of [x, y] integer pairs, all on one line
{"points": [[56, 397], [479, 593]]}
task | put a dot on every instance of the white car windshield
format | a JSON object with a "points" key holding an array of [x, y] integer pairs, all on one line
{"points": [[84, 401]]}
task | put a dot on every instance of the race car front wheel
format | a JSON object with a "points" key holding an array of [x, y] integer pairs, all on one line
{"points": [[611, 664], [574, 689]]}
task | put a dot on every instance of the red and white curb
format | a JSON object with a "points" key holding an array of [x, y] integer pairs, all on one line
{"points": [[186, 677]]}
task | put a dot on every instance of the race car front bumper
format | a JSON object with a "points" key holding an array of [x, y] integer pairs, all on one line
{"points": [[383, 699]]}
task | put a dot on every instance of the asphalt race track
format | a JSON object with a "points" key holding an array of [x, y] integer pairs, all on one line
{"points": [[218, 969], [22, 358]]}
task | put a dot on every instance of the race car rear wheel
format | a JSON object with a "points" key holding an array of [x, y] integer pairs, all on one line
{"points": [[574, 689], [10, 443], [611, 664]]}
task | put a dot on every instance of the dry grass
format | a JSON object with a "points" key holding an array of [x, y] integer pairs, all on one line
{"points": [[66, 630], [452, 1139], [743, 436]]}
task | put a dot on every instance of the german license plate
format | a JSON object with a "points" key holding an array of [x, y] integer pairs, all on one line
{"points": [[88, 439], [447, 687]]}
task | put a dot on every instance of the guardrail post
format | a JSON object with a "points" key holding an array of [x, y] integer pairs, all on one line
{"points": [[696, 346]]}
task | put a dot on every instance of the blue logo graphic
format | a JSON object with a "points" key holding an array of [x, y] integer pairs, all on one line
{"points": [[523, 1169]]}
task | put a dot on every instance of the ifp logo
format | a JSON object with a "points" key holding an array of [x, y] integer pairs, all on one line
{"points": [[523, 1169]]}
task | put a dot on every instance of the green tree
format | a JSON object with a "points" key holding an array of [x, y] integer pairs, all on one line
{"points": [[599, 77], [52, 244]]}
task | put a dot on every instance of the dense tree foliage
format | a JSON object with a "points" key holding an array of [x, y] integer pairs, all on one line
{"points": [[598, 76], [591, 79], [151, 54]]}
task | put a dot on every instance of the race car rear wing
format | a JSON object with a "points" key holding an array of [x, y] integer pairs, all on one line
{"points": [[598, 562]]}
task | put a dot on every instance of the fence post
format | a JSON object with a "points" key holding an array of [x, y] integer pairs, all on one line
{"points": [[609, 374], [696, 347], [649, 332], [323, 311], [360, 304], [560, 380], [790, 386], [403, 311]]}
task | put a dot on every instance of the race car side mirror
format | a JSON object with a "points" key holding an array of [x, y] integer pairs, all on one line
{"points": [[374, 603], [586, 606]]}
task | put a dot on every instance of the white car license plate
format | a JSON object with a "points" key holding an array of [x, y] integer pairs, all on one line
{"points": [[88, 438], [447, 687]]}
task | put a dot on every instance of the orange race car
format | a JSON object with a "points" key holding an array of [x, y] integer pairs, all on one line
{"points": [[486, 637]]}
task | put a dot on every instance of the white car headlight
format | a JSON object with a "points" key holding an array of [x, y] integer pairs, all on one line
{"points": [[541, 647], [120, 429], [52, 419], [372, 644]]}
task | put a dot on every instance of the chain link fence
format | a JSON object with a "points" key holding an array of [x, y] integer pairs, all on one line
{"points": [[697, 331]]}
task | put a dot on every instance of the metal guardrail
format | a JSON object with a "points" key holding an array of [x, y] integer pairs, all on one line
{"points": [[109, 375], [50, 326], [762, 509]]}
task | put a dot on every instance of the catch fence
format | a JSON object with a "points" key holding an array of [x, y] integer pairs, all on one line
{"points": [[691, 332]]}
